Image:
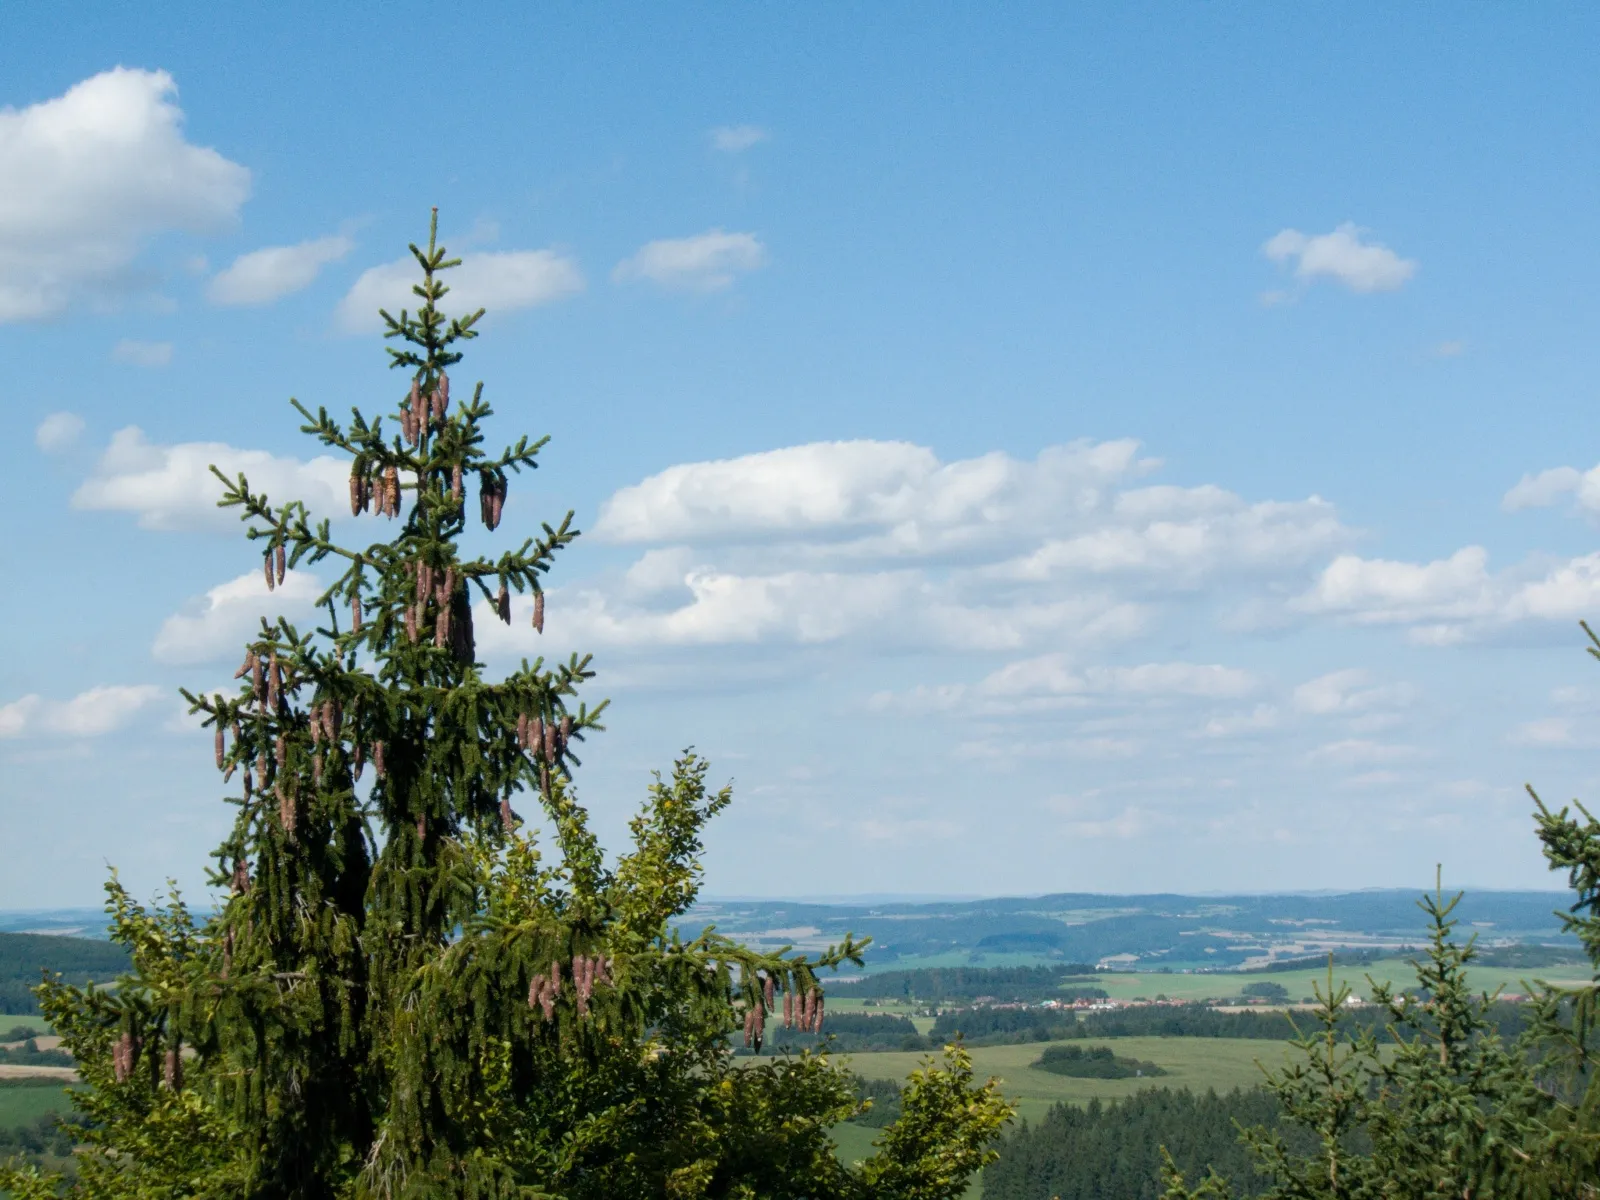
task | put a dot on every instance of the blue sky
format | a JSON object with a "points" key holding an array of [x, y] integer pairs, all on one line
{"points": [[1041, 450]]}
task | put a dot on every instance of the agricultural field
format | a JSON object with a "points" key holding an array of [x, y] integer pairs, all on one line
{"points": [[10, 1021], [1193, 1063], [1395, 971], [22, 1101]]}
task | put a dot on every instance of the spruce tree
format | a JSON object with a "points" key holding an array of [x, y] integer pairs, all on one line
{"points": [[399, 996]]}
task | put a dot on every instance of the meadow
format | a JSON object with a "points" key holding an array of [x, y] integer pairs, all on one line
{"points": [[22, 1101]]}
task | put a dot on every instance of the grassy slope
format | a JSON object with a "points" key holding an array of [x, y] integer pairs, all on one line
{"points": [[1391, 970], [23, 1105], [1194, 1063]]}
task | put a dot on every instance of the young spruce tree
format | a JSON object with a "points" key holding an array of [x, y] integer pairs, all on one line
{"points": [[399, 996]]}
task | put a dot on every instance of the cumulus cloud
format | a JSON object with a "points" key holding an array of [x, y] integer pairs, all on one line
{"points": [[499, 282], [265, 275], [1548, 488], [142, 354], [1348, 692], [57, 432], [735, 139], [1054, 674], [706, 262], [107, 167], [172, 487], [1344, 256], [1356, 752], [217, 624], [1453, 599], [896, 495], [98, 711]]}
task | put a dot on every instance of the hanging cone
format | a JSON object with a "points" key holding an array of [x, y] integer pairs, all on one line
{"points": [[535, 990], [760, 1028], [749, 1024], [355, 613], [266, 568], [219, 741], [249, 784], [442, 391], [172, 1070], [422, 829], [502, 603], [316, 768], [544, 779], [566, 733], [536, 735], [280, 751], [377, 759], [122, 1057], [244, 667], [411, 623], [286, 808], [766, 991], [788, 1009], [538, 612], [455, 482], [241, 877], [274, 680], [551, 750], [393, 479], [282, 562], [360, 755], [508, 819], [499, 503], [522, 731], [602, 971], [441, 626], [257, 682], [355, 493]]}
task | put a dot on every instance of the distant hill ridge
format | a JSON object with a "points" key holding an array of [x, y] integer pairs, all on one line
{"points": [[24, 955]]}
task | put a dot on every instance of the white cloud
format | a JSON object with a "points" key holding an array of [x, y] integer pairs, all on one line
{"points": [[1456, 599], [1348, 692], [1344, 256], [1377, 591], [706, 262], [1261, 718], [98, 711], [897, 494], [57, 432], [172, 487], [107, 168], [498, 282], [1053, 674], [222, 621], [1354, 752], [1548, 732], [142, 354], [735, 139], [265, 275], [1550, 487], [883, 608]]}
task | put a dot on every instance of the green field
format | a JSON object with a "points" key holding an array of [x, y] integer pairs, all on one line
{"points": [[24, 1101], [9, 1022], [1193, 1063], [1395, 971]]}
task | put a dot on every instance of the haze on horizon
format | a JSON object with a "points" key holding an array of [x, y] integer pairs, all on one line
{"points": [[1080, 452]]}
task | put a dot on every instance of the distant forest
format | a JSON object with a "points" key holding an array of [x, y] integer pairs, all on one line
{"points": [[1113, 1151], [24, 955]]}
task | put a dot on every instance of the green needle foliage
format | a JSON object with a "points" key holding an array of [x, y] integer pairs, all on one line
{"points": [[401, 995]]}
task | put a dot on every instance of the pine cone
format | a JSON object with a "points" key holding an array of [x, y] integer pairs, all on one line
{"points": [[535, 990], [766, 991], [249, 784], [455, 482], [749, 1024], [502, 603], [566, 733], [286, 808], [508, 819], [552, 749], [355, 613], [172, 1070], [360, 755], [316, 768], [122, 1057], [219, 741], [244, 667], [355, 493], [422, 829], [241, 877], [788, 1009], [411, 623], [538, 612], [555, 979], [266, 568], [441, 626], [280, 751], [377, 759], [274, 680], [257, 682], [393, 481], [282, 558], [544, 779], [442, 390]]}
